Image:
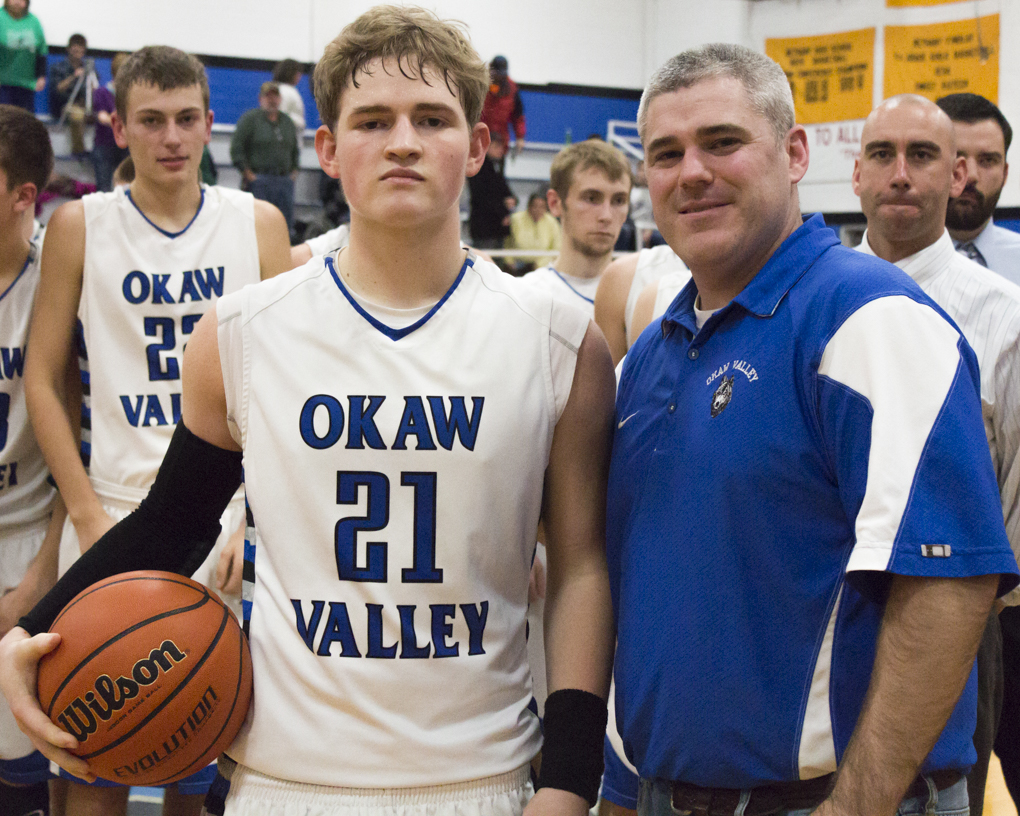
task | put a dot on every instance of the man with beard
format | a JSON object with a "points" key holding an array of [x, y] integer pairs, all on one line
{"points": [[982, 138], [590, 194]]}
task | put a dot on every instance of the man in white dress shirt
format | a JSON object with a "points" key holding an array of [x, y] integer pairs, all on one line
{"points": [[906, 173], [982, 139]]}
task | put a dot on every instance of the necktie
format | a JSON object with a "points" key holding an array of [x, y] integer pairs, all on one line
{"points": [[967, 248]]}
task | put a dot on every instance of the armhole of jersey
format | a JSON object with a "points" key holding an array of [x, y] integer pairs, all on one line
{"points": [[567, 327], [233, 364]]}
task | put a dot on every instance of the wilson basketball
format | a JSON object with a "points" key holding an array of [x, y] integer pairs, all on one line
{"points": [[152, 677]]}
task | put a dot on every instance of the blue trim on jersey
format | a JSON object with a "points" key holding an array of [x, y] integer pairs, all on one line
{"points": [[26, 770], [201, 202], [566, 283], [397, 334], [28, 260]]}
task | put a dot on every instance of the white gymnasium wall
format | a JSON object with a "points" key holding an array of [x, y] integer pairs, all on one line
{"points": [[827, 185], [675, 26], [587, 42]]}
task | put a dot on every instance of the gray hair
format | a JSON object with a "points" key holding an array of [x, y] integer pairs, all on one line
{"points": [[762, 78]]}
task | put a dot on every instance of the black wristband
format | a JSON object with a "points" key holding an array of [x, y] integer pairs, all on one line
{"points": [[574, 726], [173, 529]]}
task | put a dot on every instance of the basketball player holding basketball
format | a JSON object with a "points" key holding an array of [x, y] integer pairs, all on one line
{"points": [[125, 277], [30, 515], [406, 413], [590, 194]]}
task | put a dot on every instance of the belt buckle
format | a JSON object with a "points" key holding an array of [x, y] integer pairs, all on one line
{"points": [[698, 802]]}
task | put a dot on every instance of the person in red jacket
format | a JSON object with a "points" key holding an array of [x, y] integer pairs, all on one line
{"points": [[503, 107]]}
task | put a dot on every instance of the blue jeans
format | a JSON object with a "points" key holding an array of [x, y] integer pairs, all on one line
{"points": [[655, 799], [105, 158], [277, 190]]}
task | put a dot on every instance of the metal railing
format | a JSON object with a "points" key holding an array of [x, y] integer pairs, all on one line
{"points": [[625, 136]]}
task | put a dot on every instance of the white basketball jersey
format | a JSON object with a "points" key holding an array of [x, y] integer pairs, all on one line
{"points": [[668, 288], [651, 266], [330, 241], [394, 480], [25, 493], [578, 292], [143, 291]]}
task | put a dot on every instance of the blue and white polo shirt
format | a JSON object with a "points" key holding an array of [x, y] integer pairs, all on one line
{"points": [[769, 471]]}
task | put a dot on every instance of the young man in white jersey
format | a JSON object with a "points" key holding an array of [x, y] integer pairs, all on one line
{"points": [[590, 194], [30, 514], [125, 277], [407, 414]]}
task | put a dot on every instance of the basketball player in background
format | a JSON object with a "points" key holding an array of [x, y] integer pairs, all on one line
{"points": [[590, 193], [405, 388], [125, 277], [30, 513]]}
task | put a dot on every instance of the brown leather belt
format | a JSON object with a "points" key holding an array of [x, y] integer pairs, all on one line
{"points": [[804, 794], [942, 779]]}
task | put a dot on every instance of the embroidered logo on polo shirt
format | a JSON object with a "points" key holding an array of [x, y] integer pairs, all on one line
{"points": [[722, 396], [936, 550]]}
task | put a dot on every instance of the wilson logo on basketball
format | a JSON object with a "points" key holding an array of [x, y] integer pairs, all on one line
{"points": [[110, 696]]}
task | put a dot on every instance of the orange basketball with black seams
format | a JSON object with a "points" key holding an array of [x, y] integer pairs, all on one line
{"points": [[152, 677]]}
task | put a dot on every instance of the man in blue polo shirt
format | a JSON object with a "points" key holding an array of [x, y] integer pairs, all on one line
{"points": [[804, 530]]}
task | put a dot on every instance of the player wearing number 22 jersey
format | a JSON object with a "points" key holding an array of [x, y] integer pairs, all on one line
{"points": [[422, 454], [143, 291]]}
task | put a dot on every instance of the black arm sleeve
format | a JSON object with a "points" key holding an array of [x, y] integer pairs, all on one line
{"points": [[40, 65], [173, 529]]}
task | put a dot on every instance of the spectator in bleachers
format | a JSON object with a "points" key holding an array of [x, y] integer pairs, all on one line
{"points": [[533, 228], [68, 91], [265, 149], [287, 74], [492, 200], [106, 155], [22, 55], [207, 172], [503, 106]]}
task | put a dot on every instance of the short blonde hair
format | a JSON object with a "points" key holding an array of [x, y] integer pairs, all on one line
{"points": [[582, 155], [416, 39]]}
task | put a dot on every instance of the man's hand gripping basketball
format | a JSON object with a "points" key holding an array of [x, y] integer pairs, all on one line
{"points": [[19, 663]]}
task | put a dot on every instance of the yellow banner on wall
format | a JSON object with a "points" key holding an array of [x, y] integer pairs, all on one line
{"points": [[945, 58], [891, 3], [831, 75]]}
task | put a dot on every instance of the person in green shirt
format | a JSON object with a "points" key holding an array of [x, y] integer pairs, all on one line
{"points": [[264, 148], [22, 55]]}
